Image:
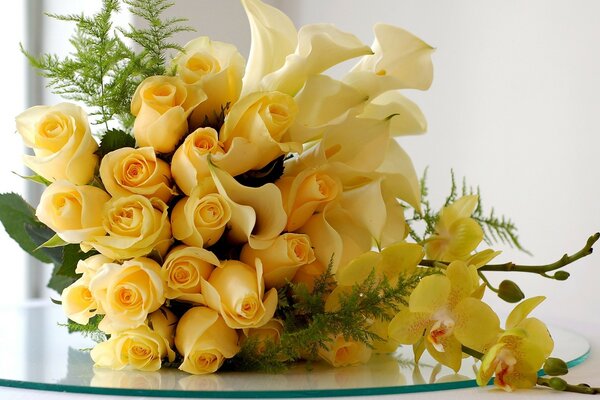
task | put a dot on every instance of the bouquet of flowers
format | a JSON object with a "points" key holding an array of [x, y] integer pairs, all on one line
{"points": [[223, 213]]}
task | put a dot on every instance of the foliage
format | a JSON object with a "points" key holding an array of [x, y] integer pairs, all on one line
{"points": [[308, 326], [114, 139], [90, 330], [21, 224], [103, 70]]}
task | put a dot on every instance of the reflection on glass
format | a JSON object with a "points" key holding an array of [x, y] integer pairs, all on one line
{"points": [[54, 360]]}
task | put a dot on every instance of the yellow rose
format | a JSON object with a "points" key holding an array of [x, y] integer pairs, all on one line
{"points": [[204, 341], [61, 140], [199, 220], [184, 268], [163, 322], [72, 211], [264, 335], [162, 105], [190, 161], [253, 130], [89, 266], [127, 293], [128, 171], [140, 348], [78, 303], [308, 273], [135, 226], [282, 259], [306, 193], [217, 68], [236, 291], [340, 352]]}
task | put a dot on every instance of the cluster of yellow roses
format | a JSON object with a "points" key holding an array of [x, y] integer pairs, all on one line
{"points": [[175, 195]]}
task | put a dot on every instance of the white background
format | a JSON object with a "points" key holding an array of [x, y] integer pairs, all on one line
{"points": [[514, 107]]}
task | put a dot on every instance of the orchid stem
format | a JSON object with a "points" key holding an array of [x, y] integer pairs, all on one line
{"points": [[535, 269], [472, 352], [561, 385]]}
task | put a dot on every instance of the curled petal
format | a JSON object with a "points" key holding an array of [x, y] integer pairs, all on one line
{"points": [[406, 117], [400, 176], [274, 36], [322, 102], [320, 46], [327, 242], [366, 207], [400, 60], [257, 214]]}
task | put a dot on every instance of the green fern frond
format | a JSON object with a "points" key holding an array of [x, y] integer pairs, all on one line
{"points": [[102, 71], [496, 229], [309, 327], [154, 38]]}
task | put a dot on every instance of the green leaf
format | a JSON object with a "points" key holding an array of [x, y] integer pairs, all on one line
{"points": [[90, 330], [114, 139], [34, 178], [64, 274], [54, 241], [21, 224], [39, 236]]}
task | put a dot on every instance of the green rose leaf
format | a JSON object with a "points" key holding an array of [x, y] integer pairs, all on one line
{"points": [[21, 224], [64, 274], [114, 139]]}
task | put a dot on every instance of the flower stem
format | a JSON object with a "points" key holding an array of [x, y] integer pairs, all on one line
{"points": [[472, 352], [535, 269], [561, 385]]}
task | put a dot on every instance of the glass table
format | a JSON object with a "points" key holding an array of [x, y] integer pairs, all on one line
{"points": [[38, 353]]}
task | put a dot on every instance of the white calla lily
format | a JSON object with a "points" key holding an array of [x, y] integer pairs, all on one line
{"points": [[359, 143], [366, 207], [274, 36], [405, 116], [400, 61], [320, 47], [322, 102], [400, 176], [257, 214]]}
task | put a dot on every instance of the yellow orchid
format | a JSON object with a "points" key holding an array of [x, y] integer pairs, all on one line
{"points": [[456, 233], [519, 352], [441, 316]]}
